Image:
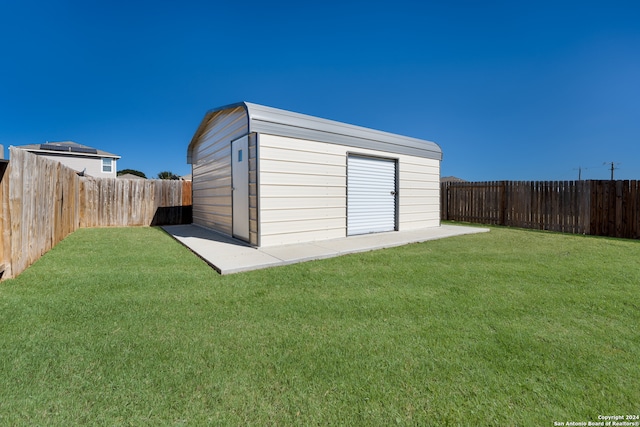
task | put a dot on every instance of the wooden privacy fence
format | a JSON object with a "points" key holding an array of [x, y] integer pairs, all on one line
{"points": [[133, 202], [42, 201], [602, 208]]}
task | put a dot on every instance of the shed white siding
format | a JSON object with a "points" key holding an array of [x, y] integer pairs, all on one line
{"points": [[303, 189], [211, 169], [419, 191]]}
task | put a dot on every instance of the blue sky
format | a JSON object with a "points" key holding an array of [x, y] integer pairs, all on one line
{"points": [[510, 90]]}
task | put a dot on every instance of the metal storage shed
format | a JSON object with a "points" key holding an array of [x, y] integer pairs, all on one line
{"points": [[271, 177]]}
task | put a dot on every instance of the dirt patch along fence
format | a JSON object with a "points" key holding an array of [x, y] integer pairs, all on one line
{"points": [[43, 201], [601, 208]]}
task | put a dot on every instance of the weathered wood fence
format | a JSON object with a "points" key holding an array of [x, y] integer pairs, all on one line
{"points": [[42, 201], [601, 208]]}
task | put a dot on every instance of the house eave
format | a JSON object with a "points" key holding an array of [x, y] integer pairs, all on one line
{"points": [[71, 154]]}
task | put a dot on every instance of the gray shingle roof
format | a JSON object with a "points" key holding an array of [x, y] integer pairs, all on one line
{"points": [[67, 148]]}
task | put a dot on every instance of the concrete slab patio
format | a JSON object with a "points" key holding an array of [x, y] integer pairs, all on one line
{"points": [[228, 255]]}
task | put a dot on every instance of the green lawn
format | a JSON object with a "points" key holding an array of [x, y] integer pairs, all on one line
{"points": [[511, 327]]}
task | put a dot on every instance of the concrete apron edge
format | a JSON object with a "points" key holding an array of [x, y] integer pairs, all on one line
{"points": [[441, 232]]}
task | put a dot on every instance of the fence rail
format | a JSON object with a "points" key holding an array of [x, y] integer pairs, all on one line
{"points": [[602, 208], [42, 201]]}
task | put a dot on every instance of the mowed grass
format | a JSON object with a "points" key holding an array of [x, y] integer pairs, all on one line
{"points": [[511, 327]]}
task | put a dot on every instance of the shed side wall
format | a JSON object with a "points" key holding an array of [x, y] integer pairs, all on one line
{"points": [[211, 169], [419, 193], [303, 190]]}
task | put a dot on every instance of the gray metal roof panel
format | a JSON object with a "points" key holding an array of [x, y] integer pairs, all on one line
{"points": [[269, 120]]}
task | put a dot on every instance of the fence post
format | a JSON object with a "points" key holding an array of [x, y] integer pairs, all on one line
{"points": [[444, 202], [5, 221], [585, 210], [503, 203]]}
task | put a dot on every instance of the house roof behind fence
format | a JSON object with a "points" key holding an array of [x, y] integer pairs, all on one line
{"points": [[66, 148]]}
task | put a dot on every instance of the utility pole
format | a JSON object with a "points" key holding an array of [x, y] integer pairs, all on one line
{"points": [[580, 169], [613, 167]]}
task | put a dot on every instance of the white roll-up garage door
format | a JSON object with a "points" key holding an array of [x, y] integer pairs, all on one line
{"points": [[371, 195]]}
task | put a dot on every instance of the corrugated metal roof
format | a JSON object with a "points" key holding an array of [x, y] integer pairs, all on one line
{"points": [[67, 148], [269, 120]]}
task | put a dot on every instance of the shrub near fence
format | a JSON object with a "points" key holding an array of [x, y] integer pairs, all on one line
{"points": [[42, 201], [602, 208]]}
